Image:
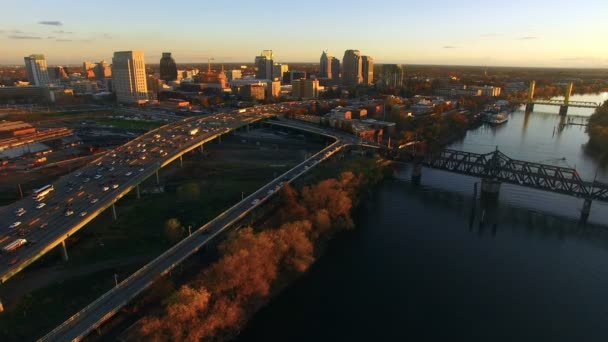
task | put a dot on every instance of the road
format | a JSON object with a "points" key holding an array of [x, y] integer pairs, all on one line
{"points": [[82, 195], [92, 316]]}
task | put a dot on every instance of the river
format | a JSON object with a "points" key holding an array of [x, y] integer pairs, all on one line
{"points": [[422, 266]]}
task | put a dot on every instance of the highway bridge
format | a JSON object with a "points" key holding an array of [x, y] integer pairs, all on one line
{"points": [[82, 195], [92, 316]]}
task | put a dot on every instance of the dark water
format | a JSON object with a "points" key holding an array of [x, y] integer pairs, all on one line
{"points": [[420, 266]]}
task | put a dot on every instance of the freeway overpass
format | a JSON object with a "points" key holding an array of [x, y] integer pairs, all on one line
{"points": [[92, 316], [82, 195]]}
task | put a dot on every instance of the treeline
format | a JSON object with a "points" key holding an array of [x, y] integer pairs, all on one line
{"points": [[598, 130], [251, 262]]}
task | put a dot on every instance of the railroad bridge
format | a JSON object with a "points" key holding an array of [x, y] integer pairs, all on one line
{"points": [[495, 168]]}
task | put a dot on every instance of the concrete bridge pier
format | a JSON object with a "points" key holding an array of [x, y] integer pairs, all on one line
{"points": [[114, 212], [137, 194], [181, 161], [1, 306], [247, 128], [202, 148], [586, 210], [529, 107], [157, 179], [490, 189], [416, 174], [219, 139], [64, 251], [563, 110]]}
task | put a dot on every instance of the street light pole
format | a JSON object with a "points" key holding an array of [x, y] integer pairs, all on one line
{"points": [[189, 230], [116, 279], [242, 195]]}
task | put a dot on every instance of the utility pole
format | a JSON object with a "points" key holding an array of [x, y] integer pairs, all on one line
{"points": [[20, 191], [116, 279]]}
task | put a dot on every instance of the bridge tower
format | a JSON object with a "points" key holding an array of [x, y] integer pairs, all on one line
{"points": [[563, 109], [530, 102]]}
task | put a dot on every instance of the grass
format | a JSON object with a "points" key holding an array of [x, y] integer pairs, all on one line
{"points": [[131, 124], [40, 116]]}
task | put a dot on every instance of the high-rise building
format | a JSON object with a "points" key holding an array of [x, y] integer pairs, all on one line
{"points": [[352, 68], [37, 73], [392, 75], [102, 70], [305, 89], [335, 69], [168, 68], [129, 76], [58, 73], [367, 69], [264, 63], [325, 70], [234, 74], [273, 89], [279, 69]]}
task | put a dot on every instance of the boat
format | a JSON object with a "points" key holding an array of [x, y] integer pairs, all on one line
{"points": [[496, 118]]}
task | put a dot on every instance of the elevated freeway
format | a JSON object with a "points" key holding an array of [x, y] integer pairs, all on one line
{"points": [[92, 316], [82, 195]]}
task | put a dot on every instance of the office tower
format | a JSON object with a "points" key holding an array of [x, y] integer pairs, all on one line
{"points": [[335, 69], [37, 73], [392, 75], [305, 89], [273, 89], [367, 70], [168, 68], [234, 74], [325, 70], [352, 68], [279, 69], [264, 63], [58, 73], [129, 76], [102, 70]]}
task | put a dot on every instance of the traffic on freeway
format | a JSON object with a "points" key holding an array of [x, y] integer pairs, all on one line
{"points": [[89, 318], [52, 213]]}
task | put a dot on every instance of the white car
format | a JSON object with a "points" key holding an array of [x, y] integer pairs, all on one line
{"points": [[114, 186], [106, 188], [141, 170], [15, 224], [97, 176], [128, 173], [94, 200], [40, 205], [21, 212], [69, 212], [84, 213], [255, 202], [78, 174]]}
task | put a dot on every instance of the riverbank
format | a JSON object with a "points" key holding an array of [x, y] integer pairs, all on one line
{"points": [[257, 262], [598, 132]]}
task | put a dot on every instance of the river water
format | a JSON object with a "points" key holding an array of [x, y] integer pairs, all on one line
{"points": [[422, 266]]}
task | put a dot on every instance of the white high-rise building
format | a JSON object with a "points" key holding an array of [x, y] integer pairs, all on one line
{"points": [[129, 76], [37, 72]]}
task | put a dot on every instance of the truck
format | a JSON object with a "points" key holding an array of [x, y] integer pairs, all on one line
{"points": [[242, 110], [193, 131], [14, 245]]}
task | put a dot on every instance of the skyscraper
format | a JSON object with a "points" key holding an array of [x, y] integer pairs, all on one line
{"points": [[264, 63], [335, 69], [129, 76], [168, 68], [102, 71], [367, 69], [279, 69], [37, 73], [352, 68], [325, 65]]}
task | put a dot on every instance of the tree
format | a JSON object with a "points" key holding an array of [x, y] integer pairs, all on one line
{"points": [[173, 230]]}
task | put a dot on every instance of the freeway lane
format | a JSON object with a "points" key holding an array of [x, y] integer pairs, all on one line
{"points": [[90, 190], [89, 318]]}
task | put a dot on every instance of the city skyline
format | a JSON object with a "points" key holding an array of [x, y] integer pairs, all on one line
{"points": [[543, 33]]}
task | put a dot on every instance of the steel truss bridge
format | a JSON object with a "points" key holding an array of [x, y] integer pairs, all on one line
{"points": [[496, 165], [579, 104]]}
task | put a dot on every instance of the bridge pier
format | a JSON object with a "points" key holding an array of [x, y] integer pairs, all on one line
{"points": [[181, 161], [490, 189], [114, 212], [416, 174], [529, 107], [563, 110], [247, 128], [586, 210], [64, 251], [219, 139], [137, 194], [1, 307], [157, 180]]}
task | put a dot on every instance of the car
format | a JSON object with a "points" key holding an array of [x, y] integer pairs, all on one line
{"points": [[112, 169], [86, 180], [15, 224], [114, 186], [40, 205], [255, 202], [128, 173], [106, 188], [94, 200], [78, 174], [97, 176], [141, 170], [19, 210], [84, 213], [68, 212], [42, 226], [269, 192], [12, 262]]}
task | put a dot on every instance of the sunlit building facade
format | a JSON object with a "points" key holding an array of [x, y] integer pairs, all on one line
{"points": [[36, 69], [129, 76]]}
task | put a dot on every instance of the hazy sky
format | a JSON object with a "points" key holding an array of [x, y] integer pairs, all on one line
{"points": [[510, 33]]}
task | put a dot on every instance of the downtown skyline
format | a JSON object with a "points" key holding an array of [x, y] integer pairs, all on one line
{"points": [[542, 34]]}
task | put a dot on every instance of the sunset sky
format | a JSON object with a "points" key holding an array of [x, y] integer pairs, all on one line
{"points": [[502, 33]]}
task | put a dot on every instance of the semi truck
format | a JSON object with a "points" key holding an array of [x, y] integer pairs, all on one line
{"points": [[14, 245]]}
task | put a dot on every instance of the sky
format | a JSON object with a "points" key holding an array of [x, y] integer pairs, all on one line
{"points": [[489, 33]]}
